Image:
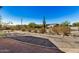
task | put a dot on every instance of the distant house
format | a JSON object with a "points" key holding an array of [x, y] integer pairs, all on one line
{"points": [[75, 31], [74, 28], [50, 25]]}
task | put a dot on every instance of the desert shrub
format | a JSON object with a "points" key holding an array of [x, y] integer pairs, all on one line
{"points": [[7, 28], [12, 29], [56, 29], [18, 27], [23, 29], [29, 30], [49, 31], [42, 30], [35, 31], [64, 30]]}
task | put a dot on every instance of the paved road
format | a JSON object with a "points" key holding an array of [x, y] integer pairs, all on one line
{"points": [[8, 45], [25, 43]]}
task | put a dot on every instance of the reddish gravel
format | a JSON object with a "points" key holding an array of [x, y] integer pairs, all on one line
{"points": [[15, 46]]}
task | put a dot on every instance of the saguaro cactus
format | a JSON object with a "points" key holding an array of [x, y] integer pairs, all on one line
{"points": [[44, 24]]}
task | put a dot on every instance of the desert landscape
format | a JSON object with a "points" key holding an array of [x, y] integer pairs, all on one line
{"points": [[27, 44], [38, 43], [43, 29]]}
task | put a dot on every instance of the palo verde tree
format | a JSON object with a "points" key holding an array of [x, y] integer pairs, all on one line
{"points": [[66, 23], [32, 25], [65, 28]]}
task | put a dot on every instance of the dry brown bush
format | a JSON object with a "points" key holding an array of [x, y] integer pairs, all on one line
{"points": [[63, 30], [42, 30]]}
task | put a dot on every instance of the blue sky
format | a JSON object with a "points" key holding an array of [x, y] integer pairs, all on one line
{"points": [[53, 14]]}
